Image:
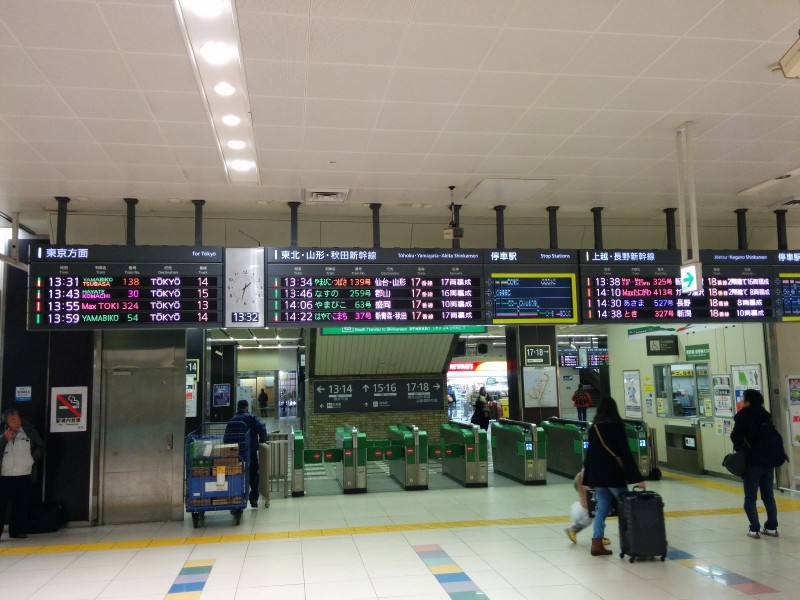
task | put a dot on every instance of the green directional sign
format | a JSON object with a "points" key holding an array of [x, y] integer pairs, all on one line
{"points": [[404, 329], [691, 275]]}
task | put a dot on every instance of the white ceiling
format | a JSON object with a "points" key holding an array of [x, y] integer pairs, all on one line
{"points": [[400, 99]]}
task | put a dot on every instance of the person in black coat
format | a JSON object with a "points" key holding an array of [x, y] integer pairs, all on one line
{"points": [[257, 432], [609, 466], [760, 468], [481, 415]]}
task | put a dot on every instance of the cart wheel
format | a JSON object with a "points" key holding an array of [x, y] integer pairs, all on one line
{"points": [[195, 519], [237, 516]]}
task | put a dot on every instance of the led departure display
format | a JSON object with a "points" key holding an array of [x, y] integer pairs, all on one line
{"points": [[532, 286], [737, 286], [318, 287], [94, 287], [568, 358]]}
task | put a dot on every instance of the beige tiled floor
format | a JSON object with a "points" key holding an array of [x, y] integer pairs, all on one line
{"points": [[529, 558]]}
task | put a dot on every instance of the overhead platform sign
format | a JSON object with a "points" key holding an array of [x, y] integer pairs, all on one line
{"points": [[378, 395]]}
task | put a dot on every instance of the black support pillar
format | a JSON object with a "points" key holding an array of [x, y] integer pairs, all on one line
{"points": [[456, 222], [376, 224], [61, 220], [669, 213], [500, 222], [130, 230], [741, 227], [780, 219], [198, 221], [293, 227], [552, 218], [597, 213]]}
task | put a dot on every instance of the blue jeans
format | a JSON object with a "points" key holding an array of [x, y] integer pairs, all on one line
{"points": [[757, 478], [603, 496], [581, 413]]}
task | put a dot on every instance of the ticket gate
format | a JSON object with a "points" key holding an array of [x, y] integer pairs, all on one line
{"points": [[353, 447], [465, 456], [566, 445], [519, 451], [407, 456], [297, 476], [637, 434]]}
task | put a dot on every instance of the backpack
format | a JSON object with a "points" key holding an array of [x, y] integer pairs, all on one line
{"points": [[768, 447]]}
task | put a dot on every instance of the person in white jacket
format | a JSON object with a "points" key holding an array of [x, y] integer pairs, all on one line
{"points": [[21, 447]]}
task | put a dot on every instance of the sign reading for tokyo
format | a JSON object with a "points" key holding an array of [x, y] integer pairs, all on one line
{"points": [[68, 407], [378, 395]]}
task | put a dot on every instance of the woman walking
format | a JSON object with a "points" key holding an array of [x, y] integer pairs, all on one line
{"points": [[609, 466]]}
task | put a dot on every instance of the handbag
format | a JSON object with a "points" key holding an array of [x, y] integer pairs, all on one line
{"points": [[735, 462], [602, 441]]}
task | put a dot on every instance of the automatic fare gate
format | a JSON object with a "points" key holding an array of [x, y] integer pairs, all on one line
{"points": [[407, 456], [519, 451], [566, 445], [465, 456], [351, 449]]}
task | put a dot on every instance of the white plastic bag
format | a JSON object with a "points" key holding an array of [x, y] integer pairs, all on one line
{"points": [[580, 516]]}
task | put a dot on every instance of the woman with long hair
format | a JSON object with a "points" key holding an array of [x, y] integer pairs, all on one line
{"points": [[609, 466]]}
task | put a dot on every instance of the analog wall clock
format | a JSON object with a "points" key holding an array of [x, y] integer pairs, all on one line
{"points": [[244, 287]]}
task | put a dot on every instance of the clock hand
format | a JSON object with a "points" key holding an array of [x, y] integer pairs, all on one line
{"points": [[244, 289]]}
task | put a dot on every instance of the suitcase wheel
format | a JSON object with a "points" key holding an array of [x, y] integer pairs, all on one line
{"points": [[622, 555], [632, 559], [663, 558]]}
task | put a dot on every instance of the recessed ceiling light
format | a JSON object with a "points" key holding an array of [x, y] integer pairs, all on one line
{"points": [[236, 144], [224, 89], [207, 9], [263, 202], [174, 200], [217, 53], [231, 120], [80, 198], [241, 165]]}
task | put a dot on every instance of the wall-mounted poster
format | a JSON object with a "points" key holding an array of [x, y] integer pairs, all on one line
{"points": [[68, 407], [648, 391], [631, 384], [721, 393], [745, 377], [793, 385], [222, 394], [539, 387]]}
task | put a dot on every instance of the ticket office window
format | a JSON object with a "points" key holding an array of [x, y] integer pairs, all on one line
{"points": [[682, 390]]}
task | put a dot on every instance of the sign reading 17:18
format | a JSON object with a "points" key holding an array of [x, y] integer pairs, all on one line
{"points": [[537, 355]]}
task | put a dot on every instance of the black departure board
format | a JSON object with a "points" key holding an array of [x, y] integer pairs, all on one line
{"points": [[125, 287], [531, 286], [568, 358], [596, 357], [787, 286], [316, 287], [627, 285]]}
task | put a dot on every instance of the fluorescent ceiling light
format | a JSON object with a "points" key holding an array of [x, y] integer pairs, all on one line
{"points": [[218, 53], [224, 89], [211, 34], [205, 9], [242, 165], [236, 144]]}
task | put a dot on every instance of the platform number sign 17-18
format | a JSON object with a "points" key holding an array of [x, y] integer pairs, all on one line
{"points": [[537, 356]]}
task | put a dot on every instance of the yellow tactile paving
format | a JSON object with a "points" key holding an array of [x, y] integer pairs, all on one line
{"points": [[785, 504]]}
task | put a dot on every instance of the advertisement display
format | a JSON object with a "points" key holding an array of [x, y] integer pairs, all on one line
{"points": [[793, 385], [745, 377], [222, 394], [721, 393], [631, 383]]}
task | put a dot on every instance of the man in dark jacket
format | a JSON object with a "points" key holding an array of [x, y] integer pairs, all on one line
{"points": [[257, 432], [20, 449], [760, 465]]}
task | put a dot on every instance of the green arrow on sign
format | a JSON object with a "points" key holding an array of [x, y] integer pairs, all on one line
{"points": [[688, 280]]}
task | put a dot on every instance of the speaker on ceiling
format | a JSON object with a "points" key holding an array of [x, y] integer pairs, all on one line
{"points": [[483, 348]]}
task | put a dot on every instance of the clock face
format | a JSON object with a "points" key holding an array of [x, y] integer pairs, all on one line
{"points": [[244, 287]]}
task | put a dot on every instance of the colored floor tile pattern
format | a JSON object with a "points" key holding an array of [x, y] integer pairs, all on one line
{"points": [[455, 582], [190, 581], [718, 574]]}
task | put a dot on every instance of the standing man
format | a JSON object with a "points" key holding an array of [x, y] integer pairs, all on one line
{"points": [[582, 400], [257, 432], [263, 400], [20, 449]]}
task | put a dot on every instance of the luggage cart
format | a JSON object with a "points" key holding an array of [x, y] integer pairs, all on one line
{"points": [[216, 470]]}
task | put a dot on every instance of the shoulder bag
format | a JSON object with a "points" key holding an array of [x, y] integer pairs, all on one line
{"points": [[736, 462], [602, 441]]}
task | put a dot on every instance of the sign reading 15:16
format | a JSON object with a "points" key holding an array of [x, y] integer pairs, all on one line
{"points": [[537, 356]]}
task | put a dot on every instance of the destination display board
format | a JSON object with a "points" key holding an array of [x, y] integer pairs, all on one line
{"points": [[531, 286], [568, 357], [378, 395], [318, 286], [626, 285], [126, 287], [787, 282]]}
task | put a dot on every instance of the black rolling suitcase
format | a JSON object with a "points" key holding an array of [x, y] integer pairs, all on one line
{"points": [[642, 532]]}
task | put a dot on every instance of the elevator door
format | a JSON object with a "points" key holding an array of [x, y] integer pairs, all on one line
{"points": [[143, 446]]}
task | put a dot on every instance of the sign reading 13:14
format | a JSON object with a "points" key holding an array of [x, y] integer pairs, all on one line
{"points": [[537, 356]]}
